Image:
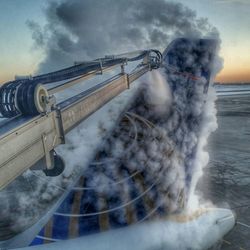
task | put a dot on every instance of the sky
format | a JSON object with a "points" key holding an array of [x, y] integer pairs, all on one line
{"points": [[19, 55]]}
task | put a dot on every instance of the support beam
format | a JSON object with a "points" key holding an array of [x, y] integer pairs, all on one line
{"points": [[34, 139]]}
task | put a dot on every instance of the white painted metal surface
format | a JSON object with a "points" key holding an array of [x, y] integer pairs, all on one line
{"points": [[24, 145], [199, 230]]}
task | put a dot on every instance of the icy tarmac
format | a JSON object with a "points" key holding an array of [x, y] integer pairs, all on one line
{"points": [[227, 177]]}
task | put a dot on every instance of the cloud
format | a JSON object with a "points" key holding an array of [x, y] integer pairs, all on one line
{"points": [[245, 2], [81, 30]]}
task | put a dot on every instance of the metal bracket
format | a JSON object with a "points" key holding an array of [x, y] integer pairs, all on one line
{"points": [[60, 125], [122, 69], [50, 102], [46, 152], [101, 68], [128, 82]]}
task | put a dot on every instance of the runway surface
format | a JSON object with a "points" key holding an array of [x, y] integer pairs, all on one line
{"points": [[227, 177]]}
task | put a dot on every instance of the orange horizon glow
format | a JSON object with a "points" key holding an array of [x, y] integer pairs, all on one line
{"points": [[233, 77], [236, 68], [225, 76], [6, 76]]}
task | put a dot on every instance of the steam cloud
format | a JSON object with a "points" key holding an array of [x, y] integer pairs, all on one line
{"points": [[80, 30], [88, 29], [167, 159]]}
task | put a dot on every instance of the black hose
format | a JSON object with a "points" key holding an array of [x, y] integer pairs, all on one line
{"points": [[17, 97]]}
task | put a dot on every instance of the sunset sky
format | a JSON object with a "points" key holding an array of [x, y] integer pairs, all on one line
{"points": [[231, 17]]}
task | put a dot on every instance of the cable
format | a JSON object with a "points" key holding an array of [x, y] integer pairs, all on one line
{"points": [[141, 118], [128, 115], [47, 238], [148, 215], [128, 149], [135, 131], [111, 184], [230, 243], [243, 224], [47, 181], [240, 206], [108, 210], [112, 209]]}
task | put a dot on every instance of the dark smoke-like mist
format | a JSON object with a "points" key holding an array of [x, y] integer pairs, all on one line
{"points": [[80, 30]]}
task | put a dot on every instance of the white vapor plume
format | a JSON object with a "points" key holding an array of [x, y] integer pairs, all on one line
{"points": [[202, 156], [174, 116], [159, 141], [159, 94], [82, 30]]}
